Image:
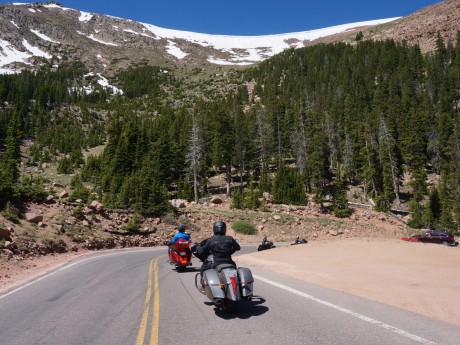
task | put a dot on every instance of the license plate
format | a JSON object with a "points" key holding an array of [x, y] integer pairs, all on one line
{"points": [[183, 253]]}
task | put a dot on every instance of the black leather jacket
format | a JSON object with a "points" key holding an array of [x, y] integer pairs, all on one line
{"points": [[221, 247]]}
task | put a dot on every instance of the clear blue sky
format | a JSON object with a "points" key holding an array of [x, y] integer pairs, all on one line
{"points": [[256, 17]]}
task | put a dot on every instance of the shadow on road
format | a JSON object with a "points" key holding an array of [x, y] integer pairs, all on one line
{"points": [[245, 309]]}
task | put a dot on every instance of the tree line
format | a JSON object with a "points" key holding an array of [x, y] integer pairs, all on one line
{"points": [[380, 115]]}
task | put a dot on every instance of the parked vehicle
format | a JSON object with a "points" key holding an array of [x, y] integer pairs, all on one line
{"points": [[179, 254], [434, 236], [226, 285], [299, 240], [266, 244]]}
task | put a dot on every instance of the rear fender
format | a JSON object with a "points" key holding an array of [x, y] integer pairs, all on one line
{"points": [[231, 283], [212, 285]]}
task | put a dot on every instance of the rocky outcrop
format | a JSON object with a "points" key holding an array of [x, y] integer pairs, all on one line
{"points": [[422, 27]]}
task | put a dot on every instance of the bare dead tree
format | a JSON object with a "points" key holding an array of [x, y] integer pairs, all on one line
{"points": [[264, 135], [433, 149], [347, 156], [387, 139], [302, 138], [194, 156], [333, 142], [301, 144]]}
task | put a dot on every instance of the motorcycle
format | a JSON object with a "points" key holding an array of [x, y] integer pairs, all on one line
{"points": [[299, 240], [179, 254], [266, 244], [226, 285]]}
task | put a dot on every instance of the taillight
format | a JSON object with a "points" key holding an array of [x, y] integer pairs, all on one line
{"points": [[233, 283]]}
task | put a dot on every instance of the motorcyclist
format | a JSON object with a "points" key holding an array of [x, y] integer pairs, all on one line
{"points": [[217, 249], [220, 246], [180, 234]]}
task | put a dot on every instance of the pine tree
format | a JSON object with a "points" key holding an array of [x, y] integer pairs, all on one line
{"points": [[419, 190], [288, 187], [340, 202], [9, 172]]}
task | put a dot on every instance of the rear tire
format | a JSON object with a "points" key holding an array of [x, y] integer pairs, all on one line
{"points": [[229, 306], [180, 268]]}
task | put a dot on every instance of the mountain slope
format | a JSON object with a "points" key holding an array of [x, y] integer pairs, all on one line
{"points": [[422, 27], [29, 32]]}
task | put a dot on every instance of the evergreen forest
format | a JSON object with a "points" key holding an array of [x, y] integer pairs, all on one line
{"points": [[319, 120]]}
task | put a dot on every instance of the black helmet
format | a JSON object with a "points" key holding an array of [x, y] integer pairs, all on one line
{"points": [[219, 228], [181, 228]]}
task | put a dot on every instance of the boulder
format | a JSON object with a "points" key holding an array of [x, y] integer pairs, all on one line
{"points": [[216, 200], [333, 232], [60, 229], [177, 203], [267, 197], [32, 217], [97, 206], [5, 234], [63, 194], [8, 253], [10, 245]]}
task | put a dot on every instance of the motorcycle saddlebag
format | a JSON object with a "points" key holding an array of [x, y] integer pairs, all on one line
{"points": [[212, 284], [246, 281]]}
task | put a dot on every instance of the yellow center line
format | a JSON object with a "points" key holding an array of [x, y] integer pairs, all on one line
{"points": [[156, 309], [153, 271], [145, 314]]}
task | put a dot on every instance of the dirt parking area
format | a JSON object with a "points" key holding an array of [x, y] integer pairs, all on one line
{"points": [[402, 274]]}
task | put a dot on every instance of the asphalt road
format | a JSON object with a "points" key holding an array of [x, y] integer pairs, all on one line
{"points": [[135, 297]]}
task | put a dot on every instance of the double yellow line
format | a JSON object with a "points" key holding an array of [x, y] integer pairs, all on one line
{"points": [[153, 271]]}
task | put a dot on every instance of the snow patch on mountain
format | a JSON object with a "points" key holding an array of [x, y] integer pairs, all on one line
{"points": [[9, 54], [257, 48], [175, 51], [43, 36], [92, 37], [85, 16], [35, 51], [102, 81]]}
